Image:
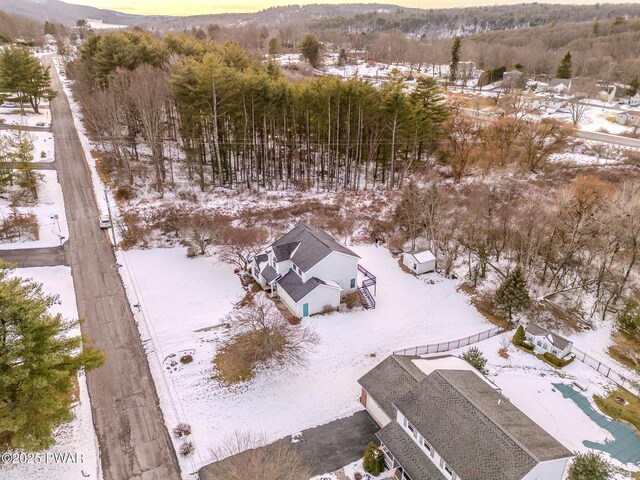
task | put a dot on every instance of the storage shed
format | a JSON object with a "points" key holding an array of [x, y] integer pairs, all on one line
{"points": [[419, 261]]}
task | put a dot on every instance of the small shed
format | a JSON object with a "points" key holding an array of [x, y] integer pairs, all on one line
{"points": [[419, 261]]}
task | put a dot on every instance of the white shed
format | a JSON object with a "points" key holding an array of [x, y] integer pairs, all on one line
{"points": [[419, 261]]}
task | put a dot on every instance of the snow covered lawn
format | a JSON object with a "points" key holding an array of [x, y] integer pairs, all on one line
{"points": [[179, 298], [12, 116], [50, 204], [76, 437], [42, 142]]}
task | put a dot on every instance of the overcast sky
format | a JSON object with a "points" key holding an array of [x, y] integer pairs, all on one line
{"points": [[194, 7]]}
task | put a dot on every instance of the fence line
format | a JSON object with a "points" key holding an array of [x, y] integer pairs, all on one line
{"points": [[604, 369], [452, 345]]}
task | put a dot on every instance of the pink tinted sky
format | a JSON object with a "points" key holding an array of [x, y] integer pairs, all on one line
{"points": [[195, 7]]}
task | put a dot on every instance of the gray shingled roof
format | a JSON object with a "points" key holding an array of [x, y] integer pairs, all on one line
{"points": [[408, 454], [306, 246], [269, 274], [391, 378], [458, 413], [555, 339], [296, 288], [555, 82]]}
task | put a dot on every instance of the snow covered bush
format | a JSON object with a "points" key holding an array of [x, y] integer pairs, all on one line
{"points": [[182, 430], [373, 461], [262, 337], [590, 466], [476, 359]]}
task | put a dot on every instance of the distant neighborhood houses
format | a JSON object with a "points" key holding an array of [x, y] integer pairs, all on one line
{"points": [[630, 117], [442, 419], [308, 269]]}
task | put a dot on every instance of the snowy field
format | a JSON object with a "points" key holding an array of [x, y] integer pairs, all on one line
{"points": [[42, 142], [50, 204], [179, 298], [12, 116], [78, 435]]}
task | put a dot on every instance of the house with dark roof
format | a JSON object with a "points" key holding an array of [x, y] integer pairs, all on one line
{"points": [[441, 419], [544, 340], [308, 269]]}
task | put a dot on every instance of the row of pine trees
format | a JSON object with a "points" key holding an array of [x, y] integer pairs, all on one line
{"points": [[241, 122]]}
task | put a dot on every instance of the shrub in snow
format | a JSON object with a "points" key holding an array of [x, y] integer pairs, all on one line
{"points": [[43, 154], [186, 449], [629, 319], [182, 430], [373, 461], [511, 296], [475, 358], [590, 466], [186, 359], [519, 336]]}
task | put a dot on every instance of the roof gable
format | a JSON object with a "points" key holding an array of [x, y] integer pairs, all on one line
{"points": [[306, 246], [477, 430]]}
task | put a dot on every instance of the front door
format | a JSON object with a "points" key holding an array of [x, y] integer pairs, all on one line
{"points": [[305, 309]]}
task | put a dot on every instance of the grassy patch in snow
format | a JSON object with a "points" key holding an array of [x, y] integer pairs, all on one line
{"points": [[629, 412], [624, 349]]}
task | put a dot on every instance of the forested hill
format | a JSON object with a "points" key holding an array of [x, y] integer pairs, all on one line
{"points": [[457, 21], [14, 27]]}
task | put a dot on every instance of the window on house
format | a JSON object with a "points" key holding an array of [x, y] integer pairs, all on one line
{"points": [[441, 463], [410, 427], [545, 346], [353, 283], [448, 470], [426, 445], [539, 343]]}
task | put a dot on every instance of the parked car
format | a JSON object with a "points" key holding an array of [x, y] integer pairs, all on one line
{"points": [[9, 105], [105, 221], [41, 124]]}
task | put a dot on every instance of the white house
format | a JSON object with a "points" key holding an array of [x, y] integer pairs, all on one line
{"points": [[555, 103], [419, 261], [631, 117], [545, 341], [634, 101], [307, 269], [441, 419]]}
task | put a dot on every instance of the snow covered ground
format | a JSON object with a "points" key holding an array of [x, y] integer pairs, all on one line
{"points": [[76, 437], [350, 472], [182, 301], [50, 205], [12, 116], [42, 142]]}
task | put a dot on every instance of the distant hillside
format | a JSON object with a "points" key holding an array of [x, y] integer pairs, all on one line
{"points": [[277, 16], [465, 21], [56, 11], [18, 27]]}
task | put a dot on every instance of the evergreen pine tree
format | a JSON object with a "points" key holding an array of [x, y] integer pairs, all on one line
{"points": [[373, 462], [590, 466], [629, 319], [519, 336], [342, 57], [39, 360], [565, 69], [310, 49], [476, 359], [455, 58], [274, 46], [634, 86], [512, 296]]}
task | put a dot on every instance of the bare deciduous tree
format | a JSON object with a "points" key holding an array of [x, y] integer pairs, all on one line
{"points": [[247, 456], [240, 245]]}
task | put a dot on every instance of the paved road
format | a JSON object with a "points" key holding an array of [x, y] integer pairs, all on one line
{"points": [[134, 443], [608, 138], [36, 257]]}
